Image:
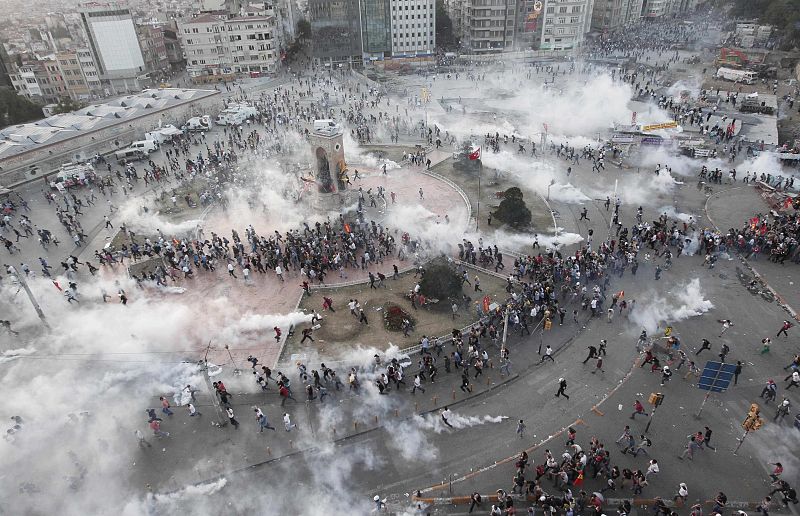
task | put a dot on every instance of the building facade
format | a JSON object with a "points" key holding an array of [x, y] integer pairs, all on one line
{"points": [[72, 75], [336, 30], [112, 38], [413, 27], [90, 73], [566, 23], [218, 46], [153, 47], [250, 46]]}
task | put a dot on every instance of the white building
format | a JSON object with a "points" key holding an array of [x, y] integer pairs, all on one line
{"points": [[112, 39], [565, 24], [413, 27], [251, 41], [90, 73], [202, 40]]}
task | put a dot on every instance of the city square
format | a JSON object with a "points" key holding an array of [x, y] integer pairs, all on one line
{"points": [[556, 278]]}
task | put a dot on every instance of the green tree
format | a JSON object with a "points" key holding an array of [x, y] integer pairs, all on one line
{"points": [[15, 109], [512, 209], [445, 37], [304, 29], [66, 105], [441, 280], [784, 15]]}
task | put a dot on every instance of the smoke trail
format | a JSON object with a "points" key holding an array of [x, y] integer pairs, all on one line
{"points": [[682, 302]]}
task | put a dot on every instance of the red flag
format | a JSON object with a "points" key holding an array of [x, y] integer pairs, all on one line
{"points": [[476, 154]]}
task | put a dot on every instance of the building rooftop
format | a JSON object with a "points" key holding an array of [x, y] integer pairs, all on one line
{"points": [[205, 18], [18, 139]]}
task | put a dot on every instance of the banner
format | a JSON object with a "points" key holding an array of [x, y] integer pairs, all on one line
{"points": [[665, 125]]}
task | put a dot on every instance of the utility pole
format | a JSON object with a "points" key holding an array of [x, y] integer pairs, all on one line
{"points": [[505, 328], [221, 415], [24, 284], [752, 422], [656, 399], [478, 212]]}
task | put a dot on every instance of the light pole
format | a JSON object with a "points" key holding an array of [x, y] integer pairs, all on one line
{"points": [[478, 212], [221, 416], [552, 182], [24, 284]]}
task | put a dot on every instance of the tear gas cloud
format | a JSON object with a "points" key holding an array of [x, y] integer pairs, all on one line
{"points": [[682, 302], [581, 107], [536, 176]]}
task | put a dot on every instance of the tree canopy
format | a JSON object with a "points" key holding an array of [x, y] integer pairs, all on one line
{"points": [[15, 109], [784, 15], [445, 37], [441, 280], [512, 209]]}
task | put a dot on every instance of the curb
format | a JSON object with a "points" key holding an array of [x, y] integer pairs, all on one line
{"points": [[779, 298]]}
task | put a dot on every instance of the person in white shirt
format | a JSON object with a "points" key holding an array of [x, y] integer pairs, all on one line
{"points": [[446, 414], [287, 422]]}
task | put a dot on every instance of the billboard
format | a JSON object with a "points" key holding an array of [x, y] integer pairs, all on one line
{"points": [[532, 18]]}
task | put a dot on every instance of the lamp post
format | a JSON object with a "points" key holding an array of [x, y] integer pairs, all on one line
{"points": [[478, 212], [24, 284]]}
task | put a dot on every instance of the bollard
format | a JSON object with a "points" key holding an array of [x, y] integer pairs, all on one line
{"points": [[376, 420], [416, 406], [269, 452], [396, 414], [488, 381], [435, 399], [334, 431], [291, 444], [454, 394], [355, 425]]}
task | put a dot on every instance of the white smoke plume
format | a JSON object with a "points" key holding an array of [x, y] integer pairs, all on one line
{"points": [[681, 302]]}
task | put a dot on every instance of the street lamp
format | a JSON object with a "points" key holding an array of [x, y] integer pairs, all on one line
{"points": [[24, 284], [552, 182]]}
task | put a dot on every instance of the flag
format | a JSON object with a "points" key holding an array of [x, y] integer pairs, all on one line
{"points": [[579, 480], [475, 154]]}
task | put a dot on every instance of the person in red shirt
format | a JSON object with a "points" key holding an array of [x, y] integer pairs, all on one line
{"points": [[638, 409], [155, 426]]}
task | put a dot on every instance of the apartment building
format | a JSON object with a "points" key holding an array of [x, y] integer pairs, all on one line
{"points": [[72, 75], [565, 24], [218, 46], [413, 27]]}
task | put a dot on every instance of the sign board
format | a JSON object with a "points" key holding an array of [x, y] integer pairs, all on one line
{"points": [[665, 125], [716, 376], [622, 138], [652, 140]]}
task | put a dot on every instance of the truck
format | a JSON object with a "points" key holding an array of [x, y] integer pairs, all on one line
{"points": [[742, 76], [236, 114], [753, 104], [198, 123]]}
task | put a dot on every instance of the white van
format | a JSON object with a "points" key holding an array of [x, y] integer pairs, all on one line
{"points": [[127, 155], [146, 146], [198, 123], [236, 115]]}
